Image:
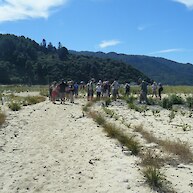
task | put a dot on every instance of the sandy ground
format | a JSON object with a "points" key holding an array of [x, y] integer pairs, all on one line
{"points": [[162, 127], [54, 148], [58, 149]]}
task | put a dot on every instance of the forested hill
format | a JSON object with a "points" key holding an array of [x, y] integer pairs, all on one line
{"points": [[22, 60], [159, 69]]}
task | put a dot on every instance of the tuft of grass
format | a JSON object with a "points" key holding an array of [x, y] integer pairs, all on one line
{"points": [[130, 99], [2, 118], [108, 111], [44, 92], [171, 115], [14, 106], [153, 177], [150, 158], [166, 103], [31, 100], [189, 102], [173, 99], [107, 101], [177, 100], [116, 133], [136, 107], [152, 101], [181, 149], [87, 106], [146, 135]]}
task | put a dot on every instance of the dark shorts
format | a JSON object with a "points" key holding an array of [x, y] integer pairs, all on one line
{"points": [[90, 92]]}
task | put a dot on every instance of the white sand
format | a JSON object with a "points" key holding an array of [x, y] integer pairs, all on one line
{"points": [[53, 148], [163, 128]]}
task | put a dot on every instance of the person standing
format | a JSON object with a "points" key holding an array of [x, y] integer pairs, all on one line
{"points": [[154, 89], [160, 89], [62, 89], [90, 90], [127, 89], [71, 91], [143, 93], [76, 87], [98, 90], [115, 87]]}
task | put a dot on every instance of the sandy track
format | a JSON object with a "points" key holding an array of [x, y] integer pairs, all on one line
{"points": [[54, 148]]}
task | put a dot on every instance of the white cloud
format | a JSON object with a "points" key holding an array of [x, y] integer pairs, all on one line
{"points": [[168, 51], [187, 3], [105, 44], [11, 10]]}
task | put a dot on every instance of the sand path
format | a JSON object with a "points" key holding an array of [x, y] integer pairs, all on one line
{"points": [[54, 148]]}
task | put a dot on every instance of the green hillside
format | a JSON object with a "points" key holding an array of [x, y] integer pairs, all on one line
{"points": [[22, 60], [158, 69]]}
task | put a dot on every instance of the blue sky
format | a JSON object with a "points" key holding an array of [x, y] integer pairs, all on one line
{"points": [[161, 28]]}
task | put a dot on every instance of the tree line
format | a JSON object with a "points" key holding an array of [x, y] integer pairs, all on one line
{"points": [[24, 61]]}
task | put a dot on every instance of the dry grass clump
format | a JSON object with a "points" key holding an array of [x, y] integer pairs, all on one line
{"points": [[150, 158], [153, 177], [146, 135], [108, 111], [2, 118], [87, 106], [181, 149], [156, 180], [116, 133], [31, 100]]}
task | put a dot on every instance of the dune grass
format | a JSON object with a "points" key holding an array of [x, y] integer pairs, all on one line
{"points": [[16, 102], [116, 133], [2, 118], [153, 177], [22, 88], [31, 100], [150, 158], [178, 148], [14, 106]]}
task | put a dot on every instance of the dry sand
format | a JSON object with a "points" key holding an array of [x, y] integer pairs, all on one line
{"points": [[55, 148]]}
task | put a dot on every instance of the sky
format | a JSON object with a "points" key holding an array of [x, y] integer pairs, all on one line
{"points": [[160, 28]]}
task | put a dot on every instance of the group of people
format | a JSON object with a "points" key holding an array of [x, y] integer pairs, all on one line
{"points": [[63, 90], [69, 90], [103, 89]]}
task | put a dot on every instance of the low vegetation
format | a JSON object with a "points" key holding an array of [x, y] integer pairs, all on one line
{"points": [[178, 148], [14, 106], [154, 177], [114, 132], [2, 118], [152, 159]]}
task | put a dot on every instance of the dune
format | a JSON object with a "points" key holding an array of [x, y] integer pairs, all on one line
{"points": [[55, 148]]}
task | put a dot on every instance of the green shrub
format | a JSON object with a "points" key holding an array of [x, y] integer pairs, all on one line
{"points": [[107, 101], [14, 106], [130, 99], [151, 101], [153, 177], [189, 102], [176, 100], [31, 100], [166, 103]]}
